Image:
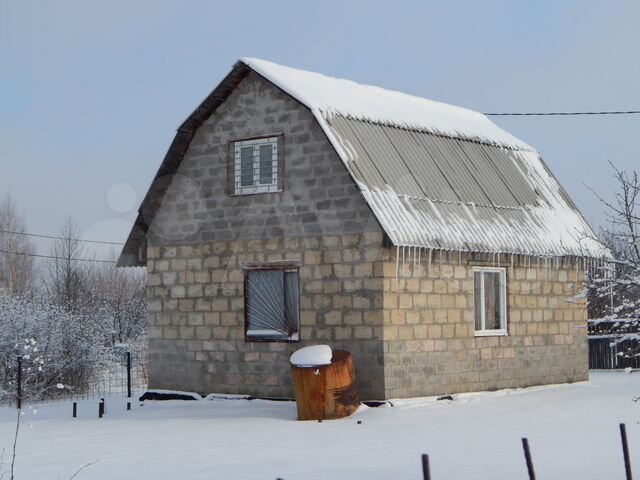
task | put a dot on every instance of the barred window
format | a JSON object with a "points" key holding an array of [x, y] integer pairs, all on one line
{"points": [[256, 166]]}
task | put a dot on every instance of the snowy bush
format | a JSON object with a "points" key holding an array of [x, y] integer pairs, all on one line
{"points": [[52, 343]]}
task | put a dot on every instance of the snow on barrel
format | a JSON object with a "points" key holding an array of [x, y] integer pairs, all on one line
{"points": [[324, 382], [312, 356]]}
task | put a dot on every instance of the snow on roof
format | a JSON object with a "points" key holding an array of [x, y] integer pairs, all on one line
{"points": [[366, 102], [435, 176], [439, 176]]}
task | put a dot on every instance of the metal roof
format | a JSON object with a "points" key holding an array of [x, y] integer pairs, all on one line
{"points": [[449, 193], [435, 176]]}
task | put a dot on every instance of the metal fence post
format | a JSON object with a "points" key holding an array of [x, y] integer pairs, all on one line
{"points": [[625, 451], [426, 471], [19, 382], [527, 456], [128, 374]]}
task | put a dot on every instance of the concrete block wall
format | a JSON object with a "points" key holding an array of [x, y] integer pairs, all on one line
{"points": [[429, 342], [201, 234], [409, 337], [197, 336]]}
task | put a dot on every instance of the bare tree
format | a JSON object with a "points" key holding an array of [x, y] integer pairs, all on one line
{"points": [[615, 287], [119, 307], [66, 276], [16, 250]]}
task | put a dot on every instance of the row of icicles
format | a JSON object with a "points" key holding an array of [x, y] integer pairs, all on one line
{"points": [[412, 255]]}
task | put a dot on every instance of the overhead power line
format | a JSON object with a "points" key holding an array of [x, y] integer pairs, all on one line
{"points": [[24, 254], [548, 114], [60, 238]]}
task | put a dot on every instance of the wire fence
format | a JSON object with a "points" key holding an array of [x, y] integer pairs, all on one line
{"points": [[117, 371]]}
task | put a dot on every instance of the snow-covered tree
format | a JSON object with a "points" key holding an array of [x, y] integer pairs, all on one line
{"points": [[614, 296], [52, 345], [117, 304]]}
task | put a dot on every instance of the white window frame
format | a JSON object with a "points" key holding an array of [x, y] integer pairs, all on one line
{"points": [[256, 187], [503, 302]]}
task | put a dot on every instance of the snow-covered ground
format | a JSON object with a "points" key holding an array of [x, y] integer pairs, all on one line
{"points": [[572, 430]]}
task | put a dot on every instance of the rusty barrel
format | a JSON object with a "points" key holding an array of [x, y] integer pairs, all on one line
{"points": [[326, 392]]}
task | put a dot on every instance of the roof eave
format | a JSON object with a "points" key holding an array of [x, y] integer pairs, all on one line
{"points": [[172, 160]]}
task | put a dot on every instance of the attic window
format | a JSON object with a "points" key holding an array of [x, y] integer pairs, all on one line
{"points": [[256, 165], [272, 307], [490, 299]]}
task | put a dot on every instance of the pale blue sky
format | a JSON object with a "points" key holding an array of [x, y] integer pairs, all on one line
{"points": [[91, 92]]}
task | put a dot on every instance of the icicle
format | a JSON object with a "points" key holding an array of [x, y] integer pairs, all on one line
{"points": [[459, 258], [430, 255], [440, 265], [403, 256], [397, 264], [512, 261], [414, 260], [498, 258], [419, 264]]}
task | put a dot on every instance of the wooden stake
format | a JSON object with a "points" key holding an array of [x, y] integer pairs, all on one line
{"points": [[527, 456], [75, 409], [426, 474], [625, 451]]}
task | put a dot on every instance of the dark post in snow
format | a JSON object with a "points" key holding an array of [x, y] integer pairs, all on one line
{"points": [[625, 451], [19, 382], [128, 374], [75, 409], [426, 473], [527, 456], [101, 408]]}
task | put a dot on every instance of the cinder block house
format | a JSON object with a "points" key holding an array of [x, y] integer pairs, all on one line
{"points": [[294, 209]]}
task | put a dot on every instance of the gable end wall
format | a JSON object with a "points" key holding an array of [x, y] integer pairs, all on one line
{"points": [[201, 236]]}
